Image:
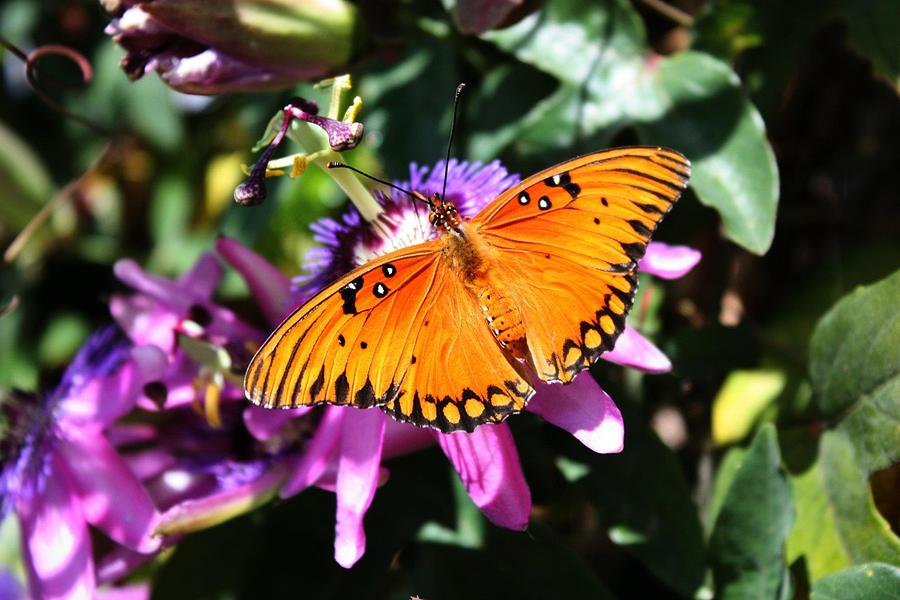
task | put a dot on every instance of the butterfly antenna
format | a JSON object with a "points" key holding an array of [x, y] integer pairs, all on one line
{"points": [[459, 90], [415, 196]]}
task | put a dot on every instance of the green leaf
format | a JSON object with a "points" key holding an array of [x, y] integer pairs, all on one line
{"points": [[747, 543], [855, 368], [609, 80], [648, 507], [25, 182], [710, 120], [873, 31], [854, 351], [872, 581]]}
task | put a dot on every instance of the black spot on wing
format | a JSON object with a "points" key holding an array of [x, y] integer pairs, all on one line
{"points": [[348, 295], [316, 388], [639, 228], [341, 389], [634, 251]]}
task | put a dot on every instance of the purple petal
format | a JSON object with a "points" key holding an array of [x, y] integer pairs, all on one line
{"points": [[358, 467], [402, 438], [634, 350], [111, 497], [583, 409], [102, 400], [10, 587], [669, 262], [319, 453], [207, 511], [126, 434], [56, 545], [265, 423], [269, 287], [488, 464]]}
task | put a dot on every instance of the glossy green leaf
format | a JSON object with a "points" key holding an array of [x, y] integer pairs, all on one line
{"points": [[648, 507], [691, 102], [710, 120], [854, 352], [871, 581], [747, 542]]}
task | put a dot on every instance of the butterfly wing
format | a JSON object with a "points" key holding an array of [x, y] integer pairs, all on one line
{"points": [[401, 333], [568, 240]]}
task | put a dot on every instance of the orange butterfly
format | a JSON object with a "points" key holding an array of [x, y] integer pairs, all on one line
{"points": [[437, 334]]}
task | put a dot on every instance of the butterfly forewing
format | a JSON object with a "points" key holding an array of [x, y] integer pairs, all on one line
{"points": [[400, 332], [568, 242]]}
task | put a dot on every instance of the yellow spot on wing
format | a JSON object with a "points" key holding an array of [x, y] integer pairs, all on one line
{"points": [[451, 413], [593, 339], [429, 409], [572, 356], [607, 324], [474, 408], [498, 399]]}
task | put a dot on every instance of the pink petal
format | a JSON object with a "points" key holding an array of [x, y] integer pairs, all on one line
{"points": [[145, 320], [488, 464], [111, 497], [669, 262], [203, 278], [268, 286], [319, 453], [403, 438], [56, 545], [634, 350], [583, 409], [159, 288], [118, 563], [149, 463], [265, 423], [358, 468], [101, 401]]}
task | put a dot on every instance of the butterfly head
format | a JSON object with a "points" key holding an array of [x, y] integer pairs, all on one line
{"points": [[444, 215]]}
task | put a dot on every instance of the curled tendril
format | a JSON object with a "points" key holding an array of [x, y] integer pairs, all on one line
{"points": [[31, 60]]}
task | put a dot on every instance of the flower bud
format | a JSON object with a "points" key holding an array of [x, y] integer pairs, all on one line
{"points": [[213, 46]]}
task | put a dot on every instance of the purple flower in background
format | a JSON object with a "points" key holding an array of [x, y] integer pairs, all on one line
{"points": [[59, 472], [202, 459], [347, 449], [203, 47]]}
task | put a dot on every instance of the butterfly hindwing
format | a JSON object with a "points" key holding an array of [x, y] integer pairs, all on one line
{"points": [[568, 241], [400, 333]]}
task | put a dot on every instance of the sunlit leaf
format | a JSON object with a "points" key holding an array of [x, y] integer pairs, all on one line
{"points": [[871, 581]]}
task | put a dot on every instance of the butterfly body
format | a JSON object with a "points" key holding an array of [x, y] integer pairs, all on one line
{"points": [[443, 334]]}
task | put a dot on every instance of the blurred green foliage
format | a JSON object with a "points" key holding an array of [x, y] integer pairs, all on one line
{"points": [[790, 116]]}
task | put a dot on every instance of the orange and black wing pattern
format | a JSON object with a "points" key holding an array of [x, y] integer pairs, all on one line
{"points": [[400, 333], [569, 239]]}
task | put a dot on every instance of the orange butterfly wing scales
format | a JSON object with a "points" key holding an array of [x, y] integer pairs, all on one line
{"points": [[358, 342], [433, 334], [569, 239]]}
